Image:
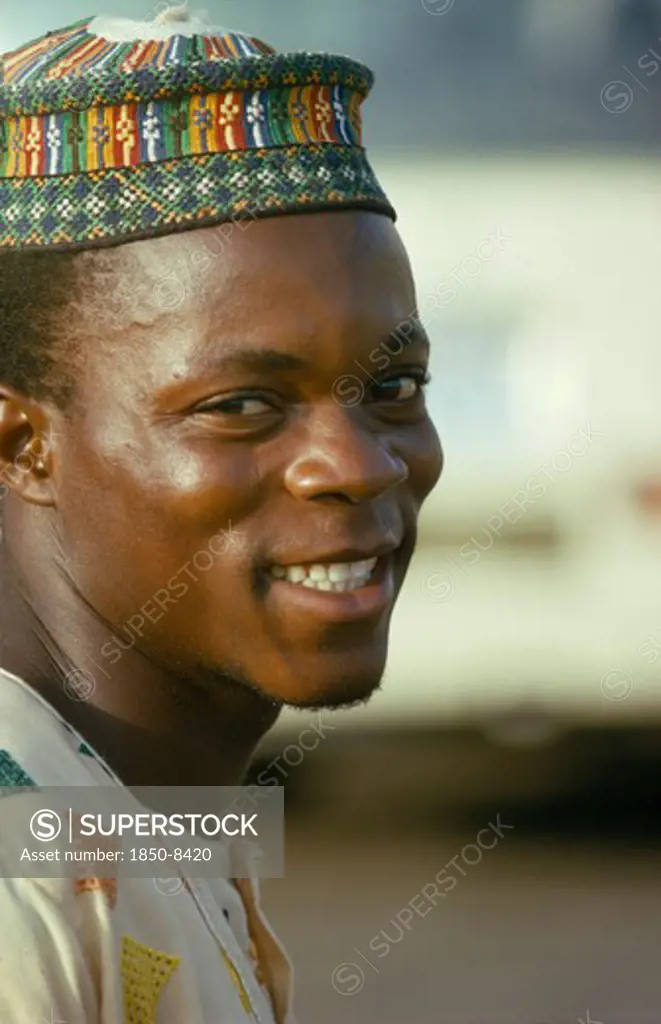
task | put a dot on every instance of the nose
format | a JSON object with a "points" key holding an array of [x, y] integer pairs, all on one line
{"points": [[341, 460]]}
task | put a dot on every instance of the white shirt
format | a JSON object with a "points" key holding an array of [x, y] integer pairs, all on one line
{"points": [[118, 950]]}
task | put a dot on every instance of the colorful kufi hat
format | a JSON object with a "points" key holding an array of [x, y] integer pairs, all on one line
{"points": [[114, 130]]}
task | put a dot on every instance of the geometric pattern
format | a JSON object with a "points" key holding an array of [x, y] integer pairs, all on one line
{"points": [[11, 773], [103, 142], [130, 134], [77, 210], [145, 973], [73, 69]]}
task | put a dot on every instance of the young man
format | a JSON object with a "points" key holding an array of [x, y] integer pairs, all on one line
{"points": [[213, 447]]}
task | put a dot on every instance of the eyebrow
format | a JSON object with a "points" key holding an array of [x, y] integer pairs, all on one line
{"points": [[268, 360], [271, 360], [413, 332]]}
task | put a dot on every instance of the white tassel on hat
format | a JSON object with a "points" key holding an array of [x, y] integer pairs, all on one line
{"points": [[179, 14], [171, 21]]}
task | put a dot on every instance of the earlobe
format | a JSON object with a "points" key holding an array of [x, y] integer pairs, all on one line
{"points": [[26, 449]]}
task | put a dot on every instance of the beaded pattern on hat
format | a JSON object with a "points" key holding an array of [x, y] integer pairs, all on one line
{"points": [[103, 142], [142, 202]]}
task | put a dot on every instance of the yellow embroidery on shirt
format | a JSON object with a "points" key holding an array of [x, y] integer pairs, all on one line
{"points": [[145, 973], [236, 978], [108, 886]]}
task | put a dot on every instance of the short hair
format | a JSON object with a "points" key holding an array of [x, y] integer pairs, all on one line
{"points": [[50, 303], [37, 289]]}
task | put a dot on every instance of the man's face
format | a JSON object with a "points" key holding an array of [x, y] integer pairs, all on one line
{"points": [[222, 496]]}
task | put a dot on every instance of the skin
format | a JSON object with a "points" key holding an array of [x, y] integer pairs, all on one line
{"points": [[163, 454]]}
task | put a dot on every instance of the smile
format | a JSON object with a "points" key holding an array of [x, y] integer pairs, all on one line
{"points": [[335, 592], [331, 577]]}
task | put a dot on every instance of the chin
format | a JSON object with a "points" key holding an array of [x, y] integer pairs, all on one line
{"points": [[340, 690], [322, 680]]}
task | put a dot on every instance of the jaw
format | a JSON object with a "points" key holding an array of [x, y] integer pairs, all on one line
{"points": [[338, 691], [302, 649], [301, 681], [312, 649], [340, 670]]}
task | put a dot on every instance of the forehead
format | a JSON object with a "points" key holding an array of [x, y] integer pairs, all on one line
{"points": [[333, 250], [305, 282]]}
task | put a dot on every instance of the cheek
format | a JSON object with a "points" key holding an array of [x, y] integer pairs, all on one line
{"points": [[158, 528], [141, 511], [190, 482], [423, 453], [202, 489]]}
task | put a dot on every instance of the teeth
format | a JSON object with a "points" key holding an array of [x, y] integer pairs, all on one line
{"points": [[337, 577], [296, 574], [361, 568], [317, 584], [356, 584], [339, 573]]}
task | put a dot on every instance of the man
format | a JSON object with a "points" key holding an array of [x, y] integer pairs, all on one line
{"points": [[214, 443]]}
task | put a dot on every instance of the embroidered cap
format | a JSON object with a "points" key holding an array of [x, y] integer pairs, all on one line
{"points": [[114, 130]]}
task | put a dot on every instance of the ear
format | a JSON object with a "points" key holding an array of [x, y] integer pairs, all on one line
{"points": [[26, 448]]}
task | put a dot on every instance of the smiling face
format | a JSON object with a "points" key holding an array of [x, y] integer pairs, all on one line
{"points": [[219, 487]]}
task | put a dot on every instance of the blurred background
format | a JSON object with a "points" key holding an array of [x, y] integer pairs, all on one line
{"points": [[520, 142]]}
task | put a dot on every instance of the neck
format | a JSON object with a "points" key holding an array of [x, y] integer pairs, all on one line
{"points": [[152, 727]]}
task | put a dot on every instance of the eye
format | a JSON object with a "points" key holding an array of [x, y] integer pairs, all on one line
{"points": [[243, 405], [401, 388]]}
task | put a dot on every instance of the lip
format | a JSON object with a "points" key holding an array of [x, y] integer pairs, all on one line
{"points": [[368, 602], [353, 554]]}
